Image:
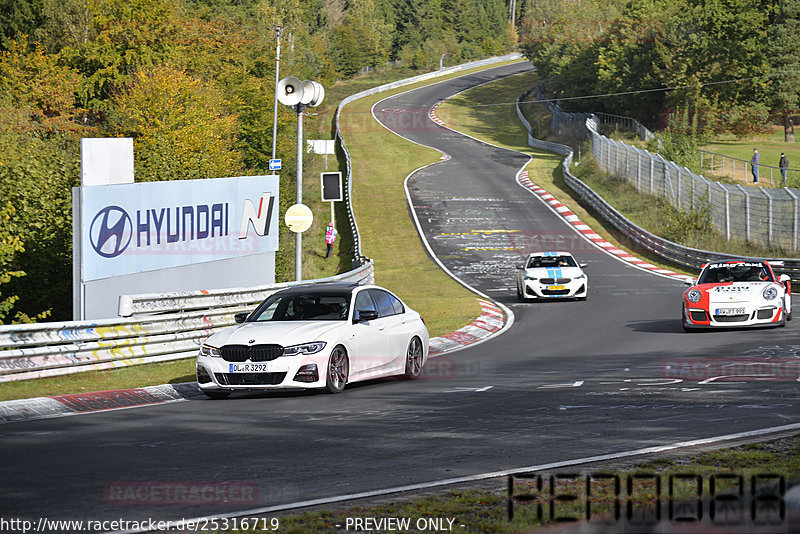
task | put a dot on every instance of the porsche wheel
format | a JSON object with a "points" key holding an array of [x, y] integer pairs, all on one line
{"points": [[414, 359], [338, 370]]}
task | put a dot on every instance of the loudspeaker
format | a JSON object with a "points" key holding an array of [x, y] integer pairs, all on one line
{"points": [[313, 93], [290, 91]]}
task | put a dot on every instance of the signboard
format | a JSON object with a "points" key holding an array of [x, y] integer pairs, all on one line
{"points": [[299, 218], [321, 146], [331, 186], [275, 164], [135, 228]]}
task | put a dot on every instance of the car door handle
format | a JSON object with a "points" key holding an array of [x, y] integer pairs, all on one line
{"points": [[382, 327]]}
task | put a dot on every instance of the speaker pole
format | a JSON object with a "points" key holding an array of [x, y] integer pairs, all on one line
{"points": [[278, 31], [298, 250]]}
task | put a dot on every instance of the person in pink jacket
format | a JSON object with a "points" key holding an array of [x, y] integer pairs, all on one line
{"points": [[330, 237]]}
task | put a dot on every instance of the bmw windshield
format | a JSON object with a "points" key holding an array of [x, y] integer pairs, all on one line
{"points": [[303, 307]]}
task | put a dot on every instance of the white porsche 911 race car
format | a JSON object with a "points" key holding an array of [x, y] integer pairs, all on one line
{"points": [[737, 293], [315, 336], [551, 275]]}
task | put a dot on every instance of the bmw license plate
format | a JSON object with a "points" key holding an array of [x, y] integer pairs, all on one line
{"points": [[556, 288], [247, 368], [731, 311]]}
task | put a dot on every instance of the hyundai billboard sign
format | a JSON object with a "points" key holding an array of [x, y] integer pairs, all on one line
{"points": [[134, 228]]}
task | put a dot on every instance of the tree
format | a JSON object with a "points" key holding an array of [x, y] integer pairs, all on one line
{"points": [[784, 61], [181, 126], [361, 40]]}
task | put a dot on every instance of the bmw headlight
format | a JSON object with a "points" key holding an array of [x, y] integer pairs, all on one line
{"points": [[694, 295], [580, 277], [531, 278], [305, 348], [208, 350], [770, 293]]}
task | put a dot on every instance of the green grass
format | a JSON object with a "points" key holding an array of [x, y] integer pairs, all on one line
{"points": [[485, 510], [470, 113]]}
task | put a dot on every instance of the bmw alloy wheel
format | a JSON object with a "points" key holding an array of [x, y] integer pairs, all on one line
{"points": [[338, 370], [414, 359]]}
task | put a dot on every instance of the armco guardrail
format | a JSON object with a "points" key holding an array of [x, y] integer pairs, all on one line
{"points": [[48, 349], [686, 256], [380, 89]]}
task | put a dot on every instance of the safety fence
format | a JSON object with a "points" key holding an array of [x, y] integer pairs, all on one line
{"points": [[741, 170], [359, 258], [641, 238], [183, 321]]}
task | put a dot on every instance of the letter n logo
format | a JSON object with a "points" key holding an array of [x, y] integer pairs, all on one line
{"points": [[260, 218]]}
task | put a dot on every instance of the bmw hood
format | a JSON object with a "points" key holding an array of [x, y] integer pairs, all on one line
{"points": [[285, 333]]}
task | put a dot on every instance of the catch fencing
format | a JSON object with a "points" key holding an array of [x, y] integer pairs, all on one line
{"points": [[641, 238]]}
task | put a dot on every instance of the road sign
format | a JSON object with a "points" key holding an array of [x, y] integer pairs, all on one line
{"points": [[299, 218], [331, 186], [274, 164]]}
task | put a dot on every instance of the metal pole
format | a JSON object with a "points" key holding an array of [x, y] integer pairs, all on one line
{"points": [[298, 247], [746, 211], [794, 221], [277, 75]]}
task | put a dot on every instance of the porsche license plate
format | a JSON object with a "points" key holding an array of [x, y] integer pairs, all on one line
{"points": [[556, 288], [248, 368], [731, 311]]}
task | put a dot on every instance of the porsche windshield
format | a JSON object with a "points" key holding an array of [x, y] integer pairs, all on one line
{"points": [[303, 307], [735, 272]]}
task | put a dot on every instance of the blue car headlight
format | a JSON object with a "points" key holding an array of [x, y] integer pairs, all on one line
{"points": [[208, 350], [770, 293], [305, 348], [694, 295]]}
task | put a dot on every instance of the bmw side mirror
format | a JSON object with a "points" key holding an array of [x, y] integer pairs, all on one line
{"points": [[519, 266], [583, 265], [240, 317], [366, 315]]}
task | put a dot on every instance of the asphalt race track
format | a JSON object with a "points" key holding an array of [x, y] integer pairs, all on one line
{"points": [[568, 380]]}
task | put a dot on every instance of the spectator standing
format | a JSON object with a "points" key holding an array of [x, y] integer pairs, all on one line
{"points": [[330, 237], [754, 164], [784, 165]]}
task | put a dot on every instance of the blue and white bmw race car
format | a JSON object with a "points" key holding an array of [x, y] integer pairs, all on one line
{"points": [[551, 275]]}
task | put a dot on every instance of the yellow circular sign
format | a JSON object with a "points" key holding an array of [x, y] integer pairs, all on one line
{"points": [[299, 218]]}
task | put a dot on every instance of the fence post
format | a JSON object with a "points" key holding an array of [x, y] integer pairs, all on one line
{"points": [[769, 200], [746, 211], [652, 164], [727, 212], [639, 171], [679, 189], [794, 221]]}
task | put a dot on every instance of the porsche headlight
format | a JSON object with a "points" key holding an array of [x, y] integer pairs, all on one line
{"points": [[770, 293], [305, 348], [208, 350], [694, 295]]}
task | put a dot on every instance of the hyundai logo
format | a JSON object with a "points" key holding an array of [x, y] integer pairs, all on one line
{"points": [[111, 231]]}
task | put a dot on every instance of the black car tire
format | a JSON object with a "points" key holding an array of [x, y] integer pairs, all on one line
{"points": [[414, 356]]}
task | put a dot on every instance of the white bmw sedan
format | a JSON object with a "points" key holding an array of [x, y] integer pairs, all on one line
{"points": [[315, 336], [551, 275]]}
